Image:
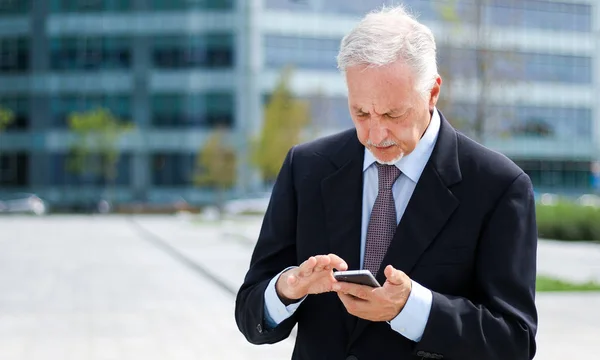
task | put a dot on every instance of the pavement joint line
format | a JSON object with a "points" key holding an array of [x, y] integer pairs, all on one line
{"points": [[177, 255]]}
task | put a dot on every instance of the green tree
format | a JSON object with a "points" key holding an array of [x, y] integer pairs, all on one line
{"points": [[216, 165], [286, 117], [6, 117], [95, 149]]}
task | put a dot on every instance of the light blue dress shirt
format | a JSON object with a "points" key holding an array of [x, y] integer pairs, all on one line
{"points": [[411, 321]]}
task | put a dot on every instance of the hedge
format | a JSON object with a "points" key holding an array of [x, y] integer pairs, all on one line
{"points": [[568, 221]]}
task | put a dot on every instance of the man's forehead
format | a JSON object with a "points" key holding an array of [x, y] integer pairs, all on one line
{"points": [[380, 108]]}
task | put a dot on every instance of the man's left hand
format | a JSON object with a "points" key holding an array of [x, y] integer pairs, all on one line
{"points": [[376, 304]]}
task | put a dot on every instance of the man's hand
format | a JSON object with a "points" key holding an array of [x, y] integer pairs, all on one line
{"points": [[376, 304], [314, 276]]}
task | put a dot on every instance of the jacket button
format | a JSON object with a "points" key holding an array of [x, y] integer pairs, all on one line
{"points": [[351, 357], [259, 328]]}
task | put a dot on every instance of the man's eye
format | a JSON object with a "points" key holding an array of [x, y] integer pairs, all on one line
{"points": [[362, 114]]}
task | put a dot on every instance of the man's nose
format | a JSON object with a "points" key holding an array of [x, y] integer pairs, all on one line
{"points": [[378, 133]]}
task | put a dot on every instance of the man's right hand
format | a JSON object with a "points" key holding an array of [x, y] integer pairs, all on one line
{"points": [[314, 276]]}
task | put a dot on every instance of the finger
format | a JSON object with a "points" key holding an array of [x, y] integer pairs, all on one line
{"points": [[359, 291], [322, 262], [337, 262], [292, 280], [307, 267], [395, 277]]}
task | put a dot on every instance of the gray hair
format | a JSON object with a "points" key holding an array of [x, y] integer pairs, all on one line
{"points": [[387, 35]]}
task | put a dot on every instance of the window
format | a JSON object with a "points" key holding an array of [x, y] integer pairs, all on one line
{"points": [[90, 53], [19, 107], [557, 174], [14, 55], [90, 5], [548, 15], [302, 52], [517, 66], [329, 112], [14, 170], [173, 169], [193, 110], [14, 7], [61, 174], [191, 4], [289, 5], [557, 122], [565, 123], [207, 51], [63, 106]]}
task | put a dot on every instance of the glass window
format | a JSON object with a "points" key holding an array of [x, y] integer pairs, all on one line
{"points": [[63, 106], [566, 123], [191, 4], [557, 174], [90, 53], [516, 66], [301, 52], [208, 51], [329, 112], [13, 7], [423, 9], [90, 5], [14, 170], [540, 14], [193, 110], [62, 175], [173, 169], [289, 5], [19, 106], [14, 55]]}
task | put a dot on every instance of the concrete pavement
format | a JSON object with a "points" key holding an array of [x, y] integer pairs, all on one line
{"points": [[94, 288], [161, 288]]}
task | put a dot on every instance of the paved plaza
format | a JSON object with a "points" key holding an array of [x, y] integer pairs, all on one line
{"points": [[157, 287]]}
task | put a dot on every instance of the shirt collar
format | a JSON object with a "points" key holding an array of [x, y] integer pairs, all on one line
{"points": [[412, 165]]}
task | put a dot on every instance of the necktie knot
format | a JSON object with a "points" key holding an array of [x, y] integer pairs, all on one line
{"points": [[387, 176]]}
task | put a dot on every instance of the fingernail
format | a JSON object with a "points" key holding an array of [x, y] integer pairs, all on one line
{"points": [[336, 287]]}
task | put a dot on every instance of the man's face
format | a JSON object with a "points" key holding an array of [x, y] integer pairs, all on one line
{"points": [[388, 112]]}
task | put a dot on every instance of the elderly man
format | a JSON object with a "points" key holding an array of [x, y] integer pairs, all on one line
{"points": [[446, 225]]}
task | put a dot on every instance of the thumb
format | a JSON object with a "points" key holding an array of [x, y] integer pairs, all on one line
{"points": [[393, 276]]}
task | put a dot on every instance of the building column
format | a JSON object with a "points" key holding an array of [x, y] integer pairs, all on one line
{"points": [[249, 110], [140, 157], [596, 107], [39, 104]]}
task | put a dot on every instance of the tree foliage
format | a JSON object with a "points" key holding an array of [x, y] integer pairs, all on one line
{"points": [[6, 117], [216, 163], [285, 119], [95, 149]]}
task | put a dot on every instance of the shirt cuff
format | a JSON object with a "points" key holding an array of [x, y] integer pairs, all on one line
{"points": [[275, 311], [411, 321]]}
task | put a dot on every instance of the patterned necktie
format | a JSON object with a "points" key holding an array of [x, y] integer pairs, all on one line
{"points": [[382, 224]]}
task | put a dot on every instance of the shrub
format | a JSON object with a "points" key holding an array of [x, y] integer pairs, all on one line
{"points": [[568, 221]]}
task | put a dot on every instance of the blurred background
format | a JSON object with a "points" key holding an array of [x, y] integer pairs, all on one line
{"points": [[174, 116]]}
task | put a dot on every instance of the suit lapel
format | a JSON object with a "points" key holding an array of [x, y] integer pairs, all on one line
{"points": [[430, 206], [342, 200]]}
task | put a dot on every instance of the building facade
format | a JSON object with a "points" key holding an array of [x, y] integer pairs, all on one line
{"points": [[178, 68]]}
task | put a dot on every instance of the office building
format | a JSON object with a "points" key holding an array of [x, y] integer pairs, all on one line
{"points": [[177, 68]]}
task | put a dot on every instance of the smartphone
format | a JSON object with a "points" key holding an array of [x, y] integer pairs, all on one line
{"points": [[361, 277]]}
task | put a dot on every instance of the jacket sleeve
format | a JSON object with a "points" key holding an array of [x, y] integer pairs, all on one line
{"points": [[501, 321], [274, 251]]}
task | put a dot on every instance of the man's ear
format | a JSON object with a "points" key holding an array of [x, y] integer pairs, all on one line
{"points": [[435, 93]]}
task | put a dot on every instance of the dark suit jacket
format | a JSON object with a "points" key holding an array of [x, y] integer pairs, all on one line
{"points": [[468, 234]]}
